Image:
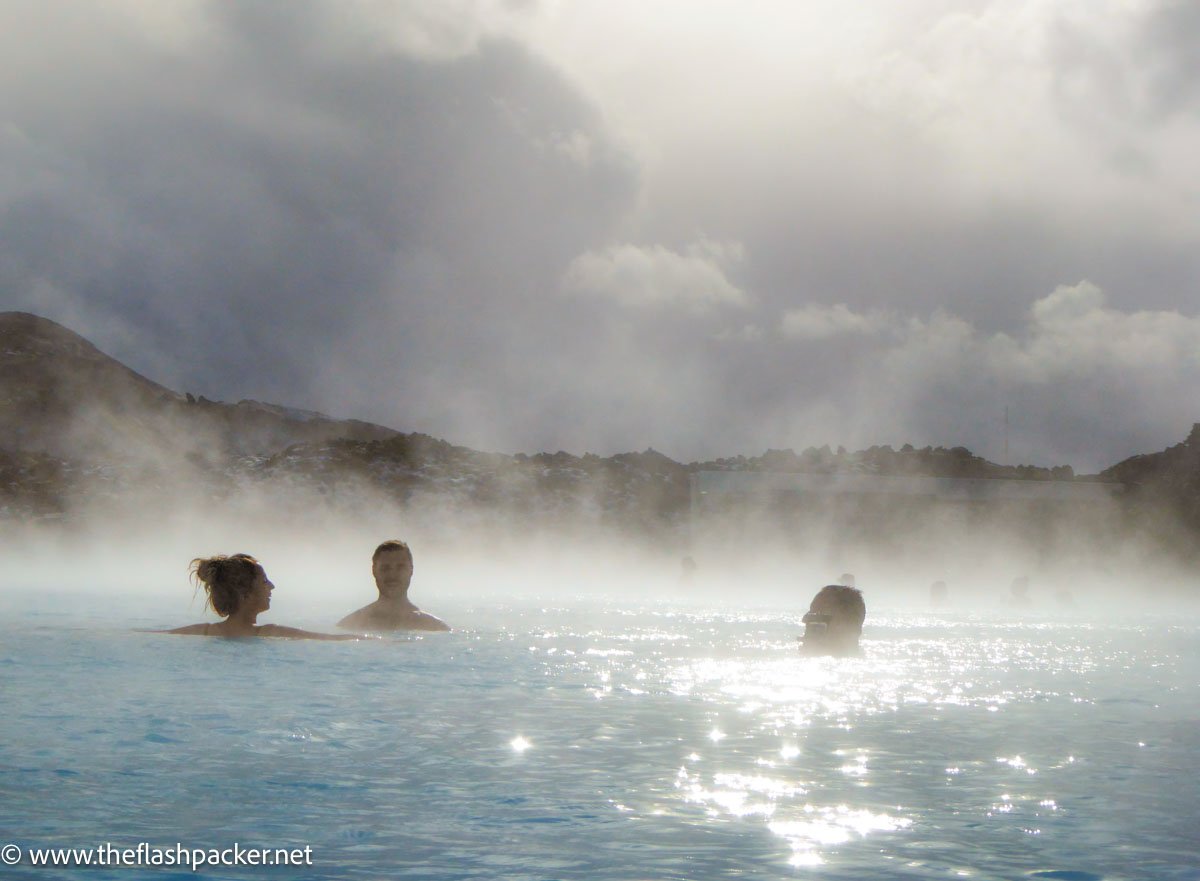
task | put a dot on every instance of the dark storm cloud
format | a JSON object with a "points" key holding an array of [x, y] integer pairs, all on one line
{"points": [[285, 191], [1144, 80], [1171, 54]]}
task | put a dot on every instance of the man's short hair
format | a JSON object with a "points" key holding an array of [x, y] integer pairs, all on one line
{"points": [[392, 544]]}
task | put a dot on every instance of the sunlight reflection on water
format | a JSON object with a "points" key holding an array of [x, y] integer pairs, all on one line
{"points": [[777, 695], [606, 743]]}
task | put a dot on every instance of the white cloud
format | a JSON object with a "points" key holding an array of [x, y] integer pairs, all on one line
{"points": [[747, 333], [1073, 333], [1086, 381], [819, 322], [1067, 303], [656, 276]]}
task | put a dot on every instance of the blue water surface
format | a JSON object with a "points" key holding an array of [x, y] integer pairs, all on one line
{"points": [[588, 741]]}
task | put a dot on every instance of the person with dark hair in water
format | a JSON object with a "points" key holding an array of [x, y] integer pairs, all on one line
{"points": [[392, 566], [237, 589], [834, 621]]}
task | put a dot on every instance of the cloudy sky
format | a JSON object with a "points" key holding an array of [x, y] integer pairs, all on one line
{"points": [[602, 225]]}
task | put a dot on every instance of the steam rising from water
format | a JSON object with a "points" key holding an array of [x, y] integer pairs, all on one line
{"points": [[319, 558]]}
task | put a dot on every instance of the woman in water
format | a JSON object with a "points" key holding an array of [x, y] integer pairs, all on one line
{"points": [[238, 590]]}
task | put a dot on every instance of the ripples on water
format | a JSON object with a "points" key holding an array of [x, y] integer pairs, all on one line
{"points": [[549, 743]]}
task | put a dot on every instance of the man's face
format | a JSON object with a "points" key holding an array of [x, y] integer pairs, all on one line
{"points": [[393, 572]]}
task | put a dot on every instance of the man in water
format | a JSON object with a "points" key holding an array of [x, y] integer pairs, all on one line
{"points": [[392, 566], [834, 621]]}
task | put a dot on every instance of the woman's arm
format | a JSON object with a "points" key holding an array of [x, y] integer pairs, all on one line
{"points": [[190, 630], [296, 633]]}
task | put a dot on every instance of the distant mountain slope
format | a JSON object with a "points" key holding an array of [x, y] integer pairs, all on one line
{"points": [[60, 395], [645, 490], [1164, 491], [885, 461], [50, 376], [1176, 468]]}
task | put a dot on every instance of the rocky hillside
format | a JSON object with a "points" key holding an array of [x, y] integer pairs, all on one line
{"points": [[908, 461], [1164, 493], [78, 430], [61, 396], [634, 490]]}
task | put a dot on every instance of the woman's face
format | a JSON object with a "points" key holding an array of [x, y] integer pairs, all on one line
{"points": [[259, 597]]}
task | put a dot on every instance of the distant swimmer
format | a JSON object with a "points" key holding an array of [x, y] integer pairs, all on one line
{"points": [[239, 591], [1019, 591], [392, 566], [834, 621], [939, 594]]}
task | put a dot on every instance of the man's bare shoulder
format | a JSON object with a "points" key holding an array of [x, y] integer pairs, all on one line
{"points": [[358, 620], [376, 617], [424, 621]]}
